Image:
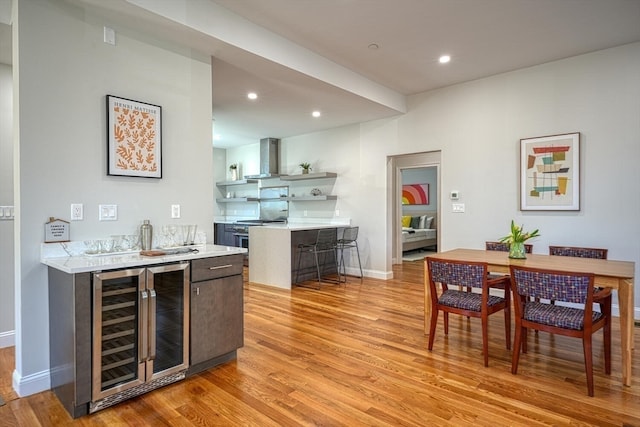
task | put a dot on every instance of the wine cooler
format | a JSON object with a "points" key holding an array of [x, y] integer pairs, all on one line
{"points": [[141, 331]]}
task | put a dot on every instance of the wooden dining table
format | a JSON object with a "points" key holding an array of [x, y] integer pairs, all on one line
{"points": [[618, 275]]}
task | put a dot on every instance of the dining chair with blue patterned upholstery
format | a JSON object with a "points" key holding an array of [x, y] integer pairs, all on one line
{"points": [[454, 277], [559, 286], [504, 247], [579, 252]]}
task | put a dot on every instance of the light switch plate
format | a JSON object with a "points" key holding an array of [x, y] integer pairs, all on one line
{"points": [[109, 36], [457, 207], [175, 211], [107, 212]]}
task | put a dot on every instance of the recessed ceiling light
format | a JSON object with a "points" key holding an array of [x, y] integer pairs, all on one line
{"points": [[373, 46], [316, 114], [252, 95], [444, 59]]}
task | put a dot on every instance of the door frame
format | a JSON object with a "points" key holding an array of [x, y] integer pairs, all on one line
{"points": [[395, 165]]}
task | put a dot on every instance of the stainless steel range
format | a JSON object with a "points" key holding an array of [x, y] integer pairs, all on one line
{"points": [[241, 229]]}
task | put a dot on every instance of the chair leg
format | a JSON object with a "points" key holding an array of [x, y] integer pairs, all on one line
{"points": [[318, 269], [515, 357], [298, 269], [588, 362], [359, 263], [335, 257], [446, 322], [507, 316], [432, 327], [485, 338]]}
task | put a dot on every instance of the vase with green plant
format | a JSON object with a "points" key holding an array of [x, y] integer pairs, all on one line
{"points": [[233, 168], [306, 167], [516, 240]]}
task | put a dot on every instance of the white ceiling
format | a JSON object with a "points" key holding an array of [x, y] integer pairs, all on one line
{"points": [[300, 55]]}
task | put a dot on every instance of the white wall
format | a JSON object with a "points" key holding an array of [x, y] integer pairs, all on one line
{"points": [[7, 311], [477, 126], [64, 71]]}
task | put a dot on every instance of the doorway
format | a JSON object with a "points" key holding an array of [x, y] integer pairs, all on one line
{"points": [[410, 165]]}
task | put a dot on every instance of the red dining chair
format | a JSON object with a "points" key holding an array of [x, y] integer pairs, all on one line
{"points": [[453, 276], [542, 284]]}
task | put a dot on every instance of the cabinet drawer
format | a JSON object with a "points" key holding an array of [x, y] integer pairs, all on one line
{"points": [[214, 267]]}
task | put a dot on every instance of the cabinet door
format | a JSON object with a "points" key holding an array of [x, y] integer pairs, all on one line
{"points": [[229, 235], [217, 324], [223, 235]]}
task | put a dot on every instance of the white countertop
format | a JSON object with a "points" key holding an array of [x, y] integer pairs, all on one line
{"points": [[87, 263], [301, 226]]}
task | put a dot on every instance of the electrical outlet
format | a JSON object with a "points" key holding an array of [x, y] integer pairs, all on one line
{"points": [[175, 211], [304, 213], [77, 212], [337, 212], [457, 207]]}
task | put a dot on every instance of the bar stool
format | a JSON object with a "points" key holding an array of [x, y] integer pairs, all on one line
{"points": [[325, 243], [349, 240]]}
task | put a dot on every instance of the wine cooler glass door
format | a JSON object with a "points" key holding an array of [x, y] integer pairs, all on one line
{"points": [[168, 287], [119, 298]]}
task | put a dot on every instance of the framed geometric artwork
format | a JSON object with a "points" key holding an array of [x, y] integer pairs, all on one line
{"points": [[134, 138], [550, 173], [415, 194]]}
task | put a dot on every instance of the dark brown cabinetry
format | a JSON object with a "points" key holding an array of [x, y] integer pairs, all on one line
{"points": [[214, 324], [224, 234], [217, 324]]}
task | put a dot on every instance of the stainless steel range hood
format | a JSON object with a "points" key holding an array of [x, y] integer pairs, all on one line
{"points": [[269, 159]]}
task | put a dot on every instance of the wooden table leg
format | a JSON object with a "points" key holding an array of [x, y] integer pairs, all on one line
{"points": [[427, 300], [625, 303]]}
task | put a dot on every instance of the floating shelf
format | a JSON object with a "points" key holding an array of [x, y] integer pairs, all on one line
{"points": [[309, 176], [237, 182], [313, 198], [238, 199]]}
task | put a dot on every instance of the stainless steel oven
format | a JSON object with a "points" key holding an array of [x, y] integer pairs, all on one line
{"points": [[242, 240]]}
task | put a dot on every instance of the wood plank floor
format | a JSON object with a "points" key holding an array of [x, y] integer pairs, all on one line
{"points": [[356, 355]]}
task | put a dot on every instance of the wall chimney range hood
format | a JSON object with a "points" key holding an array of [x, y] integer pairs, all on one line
{"points": [[269, 159]]}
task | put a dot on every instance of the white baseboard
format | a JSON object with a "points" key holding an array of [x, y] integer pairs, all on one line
{"points": [[375, 274], [7, 339], [31, 384]]}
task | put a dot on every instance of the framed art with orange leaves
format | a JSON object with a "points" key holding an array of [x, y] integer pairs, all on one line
{"points": [[134, 138]]}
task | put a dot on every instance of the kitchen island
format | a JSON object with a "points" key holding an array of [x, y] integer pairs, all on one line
{"points": [[273, 251], [122, 324]]}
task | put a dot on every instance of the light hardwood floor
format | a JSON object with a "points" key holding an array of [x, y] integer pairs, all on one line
{"points": [[356, 355]]}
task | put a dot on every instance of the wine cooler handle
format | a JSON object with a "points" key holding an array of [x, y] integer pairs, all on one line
{"points": [[152, 324], [143, 319]]}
